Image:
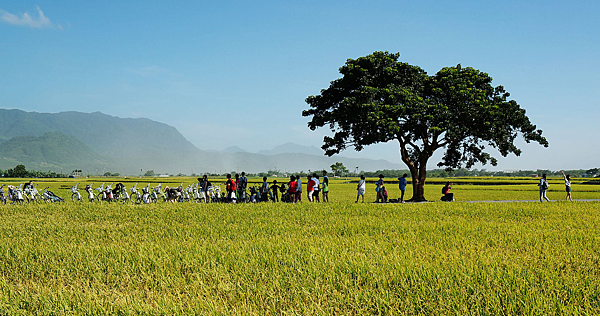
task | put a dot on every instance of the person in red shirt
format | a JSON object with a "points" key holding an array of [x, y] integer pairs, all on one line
{"points": [[310, 188], [292, 189], [230, 186]]}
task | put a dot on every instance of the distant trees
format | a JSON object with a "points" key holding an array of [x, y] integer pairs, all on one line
{"points": [[149, 173], [338, 169], [20, 171], [592, 172]]}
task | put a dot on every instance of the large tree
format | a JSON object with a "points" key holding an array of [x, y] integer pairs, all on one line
{"points": [[379, 99]]}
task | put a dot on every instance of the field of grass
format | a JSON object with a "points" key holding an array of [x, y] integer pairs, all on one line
{"points": [[271, 259]]}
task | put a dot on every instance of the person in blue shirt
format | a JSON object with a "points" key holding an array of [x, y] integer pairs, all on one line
{"points": [[264, 190], [402, 185], [242, 186], [543, 188]]}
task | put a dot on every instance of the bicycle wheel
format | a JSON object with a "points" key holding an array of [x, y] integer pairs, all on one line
{"points": [[74, 198]]}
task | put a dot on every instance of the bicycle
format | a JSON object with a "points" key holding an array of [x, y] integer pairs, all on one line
{"points": [[15, 195], [2, 196], [50, 197], [76, 196], [123, 195], [135, 195], [34, 194], [90, 191]]}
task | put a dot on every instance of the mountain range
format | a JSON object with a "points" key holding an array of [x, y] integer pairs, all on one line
{"points": [[96, 142]]}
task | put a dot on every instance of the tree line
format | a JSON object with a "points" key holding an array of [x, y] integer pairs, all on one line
{"points": [[21, 172]]}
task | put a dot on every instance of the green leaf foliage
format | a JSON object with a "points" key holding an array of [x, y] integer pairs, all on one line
{"points": [[379, 99]]}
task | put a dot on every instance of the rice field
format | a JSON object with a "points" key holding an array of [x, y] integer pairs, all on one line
{"points": [[306, 259]]}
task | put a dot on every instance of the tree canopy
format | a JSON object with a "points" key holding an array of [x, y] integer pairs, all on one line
{"points": [[338, 168], [379, 99]]}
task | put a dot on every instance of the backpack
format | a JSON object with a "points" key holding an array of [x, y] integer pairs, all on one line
{"points": [[545, 185], [232, 185]]}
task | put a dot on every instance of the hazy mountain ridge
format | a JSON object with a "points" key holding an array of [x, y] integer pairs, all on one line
{"points": [[292, 148], [52, 150], [133, 146]]}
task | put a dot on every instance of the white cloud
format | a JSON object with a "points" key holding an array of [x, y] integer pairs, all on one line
{"points": [[39, 22]]}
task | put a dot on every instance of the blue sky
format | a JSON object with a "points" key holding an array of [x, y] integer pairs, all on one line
{"points": [[236, 73]]}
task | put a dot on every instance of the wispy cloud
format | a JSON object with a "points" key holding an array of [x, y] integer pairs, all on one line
{"points": [[25, 19]]}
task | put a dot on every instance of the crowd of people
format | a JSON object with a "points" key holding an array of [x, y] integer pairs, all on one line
{"points": [[382, 193], [317, 189]]}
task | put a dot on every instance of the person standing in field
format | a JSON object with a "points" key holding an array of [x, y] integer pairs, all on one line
{"points": [[360, 188], [207, 184], [325, 187], [242, 186], [201, 188], [543, 188], [402, 185], [378, 189], [264, 190], [237, 186], [298, 189], [567, 185], [310, 188], [315, 178], [275, 190], [292, 189], [230, 186]]}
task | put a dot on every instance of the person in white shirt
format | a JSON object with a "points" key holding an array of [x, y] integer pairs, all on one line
{"points": [[315, 178], [567, 185], [362, 185]]}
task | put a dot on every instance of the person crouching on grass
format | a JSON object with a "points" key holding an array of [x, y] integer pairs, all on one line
{"points": [[384, 194], [448, 197]]}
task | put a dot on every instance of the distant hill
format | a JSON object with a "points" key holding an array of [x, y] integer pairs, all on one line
{"points": [[133, 144], [233, 149], [94, 141], [288, 148], [53, 150]]}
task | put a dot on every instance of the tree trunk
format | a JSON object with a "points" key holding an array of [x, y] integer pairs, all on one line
{"points": [[418, 181], [418, 171]]}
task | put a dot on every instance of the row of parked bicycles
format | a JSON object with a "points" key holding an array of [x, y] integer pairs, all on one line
{"points": [[120, 194], [21, 195]]}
